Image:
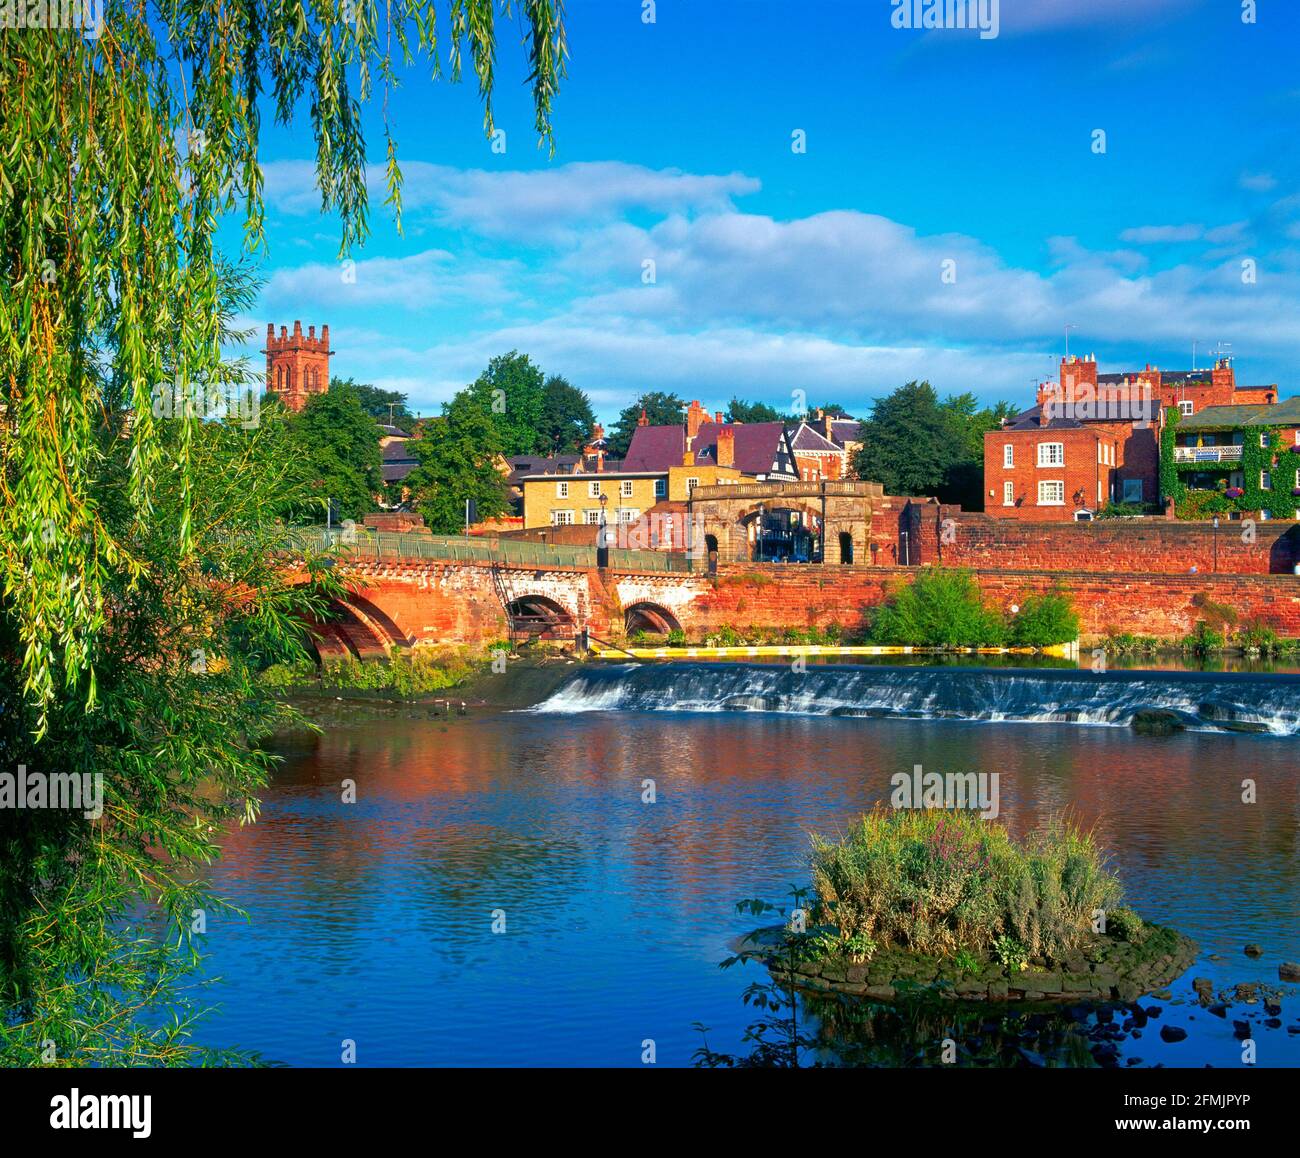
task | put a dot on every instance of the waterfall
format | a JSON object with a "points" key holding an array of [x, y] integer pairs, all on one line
{"points": [[1201, 700]]}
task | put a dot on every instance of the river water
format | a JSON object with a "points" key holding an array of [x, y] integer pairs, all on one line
{"points": [[374, 921]]}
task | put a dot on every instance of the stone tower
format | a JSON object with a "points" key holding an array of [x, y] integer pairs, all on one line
{"points": [[297, 366]]}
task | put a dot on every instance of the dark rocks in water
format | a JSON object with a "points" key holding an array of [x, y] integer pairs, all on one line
{"points": [[1247, 726], [862, 713], [1293, 1029], [1219, 1010], [752, 703], [1163, 994], [1154, 1010], [1157, 722], [1172, 1033], [1241, 1030], [1289, 971], [1253, 950], [1273, 1022], [1204, 988], [1272, 1008], [1216, 711], [1248, 992], [1133, 1061]]}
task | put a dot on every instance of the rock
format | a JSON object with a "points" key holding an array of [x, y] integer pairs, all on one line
{"points": [[1153, 1011], [1157, 722], [1273, 1022], [1203, 986], [1163, 995], [1253, 950], [1241, 1030], [1248, 991], [1272, 1008], [1289, 971], [1219, 1010], [1172, 1033]]}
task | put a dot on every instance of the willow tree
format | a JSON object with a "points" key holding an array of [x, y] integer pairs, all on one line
{"points": [[137, 593]]}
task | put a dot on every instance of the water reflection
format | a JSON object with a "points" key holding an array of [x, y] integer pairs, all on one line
{"points": [[374, 920]]}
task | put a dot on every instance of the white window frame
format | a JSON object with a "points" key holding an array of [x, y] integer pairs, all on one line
{"points": [[562, 490], [591, 518], [691, 484], [561, 518], [1053, 483], [1008, 493], [627, 516], [1266, 475], [1008, 455], [1045, 454], [1187, 408], [625, 487], [593, 490]]}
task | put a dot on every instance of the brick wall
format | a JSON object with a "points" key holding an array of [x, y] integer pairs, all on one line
{"points": [[1108, 546], [1159, 605]]}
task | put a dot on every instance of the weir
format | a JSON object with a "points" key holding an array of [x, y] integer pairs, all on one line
{"points": [[1201, 701]]}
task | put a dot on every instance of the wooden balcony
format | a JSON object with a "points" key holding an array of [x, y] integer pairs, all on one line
{"points": [[1207, 453]]}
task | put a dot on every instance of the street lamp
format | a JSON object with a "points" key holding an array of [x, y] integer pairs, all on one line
{"points": [[1216, 543], [602, 539]]}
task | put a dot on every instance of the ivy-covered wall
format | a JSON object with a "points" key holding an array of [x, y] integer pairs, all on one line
{"points": [[1280, 461]]}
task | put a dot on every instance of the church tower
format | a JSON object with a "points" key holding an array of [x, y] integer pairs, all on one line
{"points": [[297, 366]]}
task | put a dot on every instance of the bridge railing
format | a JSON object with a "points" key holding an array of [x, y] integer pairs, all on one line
{"points": [[363, 543]]}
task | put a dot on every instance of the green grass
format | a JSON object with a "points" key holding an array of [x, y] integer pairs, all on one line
{"points": [[407, 672], [941, 882]]}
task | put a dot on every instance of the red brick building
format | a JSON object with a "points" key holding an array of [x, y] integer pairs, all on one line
{"points": [[1094, 439], [297, 365]]}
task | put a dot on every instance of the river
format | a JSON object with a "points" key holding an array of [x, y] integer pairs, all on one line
{"points": [[374, 921]]}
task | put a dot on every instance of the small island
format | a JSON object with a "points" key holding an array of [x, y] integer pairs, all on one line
{"points": [[934, 902]]}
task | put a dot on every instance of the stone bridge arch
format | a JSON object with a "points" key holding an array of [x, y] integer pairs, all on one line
{"points": [[647, 616]]}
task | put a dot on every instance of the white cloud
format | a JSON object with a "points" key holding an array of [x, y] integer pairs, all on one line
{"points": [[1158, 234], [1258, 182], [843, 303]]}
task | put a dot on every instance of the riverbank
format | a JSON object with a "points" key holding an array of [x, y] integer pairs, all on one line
{"points": [[524, 682]]}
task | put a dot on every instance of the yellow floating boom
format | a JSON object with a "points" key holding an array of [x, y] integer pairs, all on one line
{"points": [[1059, 650]]}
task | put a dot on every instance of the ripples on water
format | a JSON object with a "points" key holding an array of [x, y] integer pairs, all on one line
{"points": [[373, 921]]}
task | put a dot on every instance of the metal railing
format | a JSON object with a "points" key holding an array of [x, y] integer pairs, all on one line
{"points": [[1207, 453], [363, 543]]}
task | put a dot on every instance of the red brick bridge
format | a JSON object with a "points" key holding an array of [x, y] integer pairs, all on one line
{"points": [[402, 602]]}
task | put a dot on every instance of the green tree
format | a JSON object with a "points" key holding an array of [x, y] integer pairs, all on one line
{"points": [[907, 442], [337, 445], [385, 406], [511, 391], [739, 411], [567, 417], [660, 408], [457, 457], [940, 607], [138, 587], [916, 445]]}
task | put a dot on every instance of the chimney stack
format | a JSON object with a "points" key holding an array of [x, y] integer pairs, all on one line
{"points": [[726, 449], [696, 416]]}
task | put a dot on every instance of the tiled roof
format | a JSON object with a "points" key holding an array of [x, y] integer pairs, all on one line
{"points": [[396, 452], [1225, 417], [846, 430], [1029, 420], [655, 448], [809, 440], [396, 471]]}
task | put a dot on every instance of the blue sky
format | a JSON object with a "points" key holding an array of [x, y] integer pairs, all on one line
{"points": [[821, 271]]}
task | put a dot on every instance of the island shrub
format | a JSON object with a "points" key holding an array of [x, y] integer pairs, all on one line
{"points": [[1044, 620], [940, 607], [942, 881]]}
